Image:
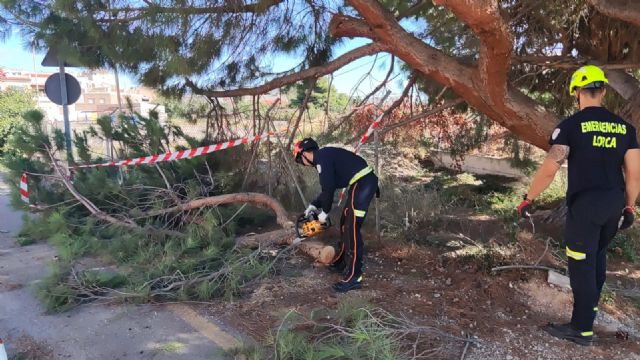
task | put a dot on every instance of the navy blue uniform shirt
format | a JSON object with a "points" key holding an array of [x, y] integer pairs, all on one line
{"points": [[598, 140], [335, 167]]}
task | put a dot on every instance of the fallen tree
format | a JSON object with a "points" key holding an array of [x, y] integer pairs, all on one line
{"points": [[165, 232], [316, 249]]}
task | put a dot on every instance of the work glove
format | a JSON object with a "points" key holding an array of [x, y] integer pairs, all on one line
{"points": [[310, 210], [322, 217], [525, 209], [626, 220]]}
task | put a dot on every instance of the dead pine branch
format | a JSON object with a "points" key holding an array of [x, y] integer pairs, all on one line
{"points": [[263, 127], [531, 267], [382, 84], [421, 116], [302, 109]]}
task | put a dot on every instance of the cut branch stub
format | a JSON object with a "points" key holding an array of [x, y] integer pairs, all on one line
{"points": [[322, 253]]}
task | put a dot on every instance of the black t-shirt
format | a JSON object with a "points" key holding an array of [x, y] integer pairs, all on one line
{"points": [[336, 167], [598, 140]]}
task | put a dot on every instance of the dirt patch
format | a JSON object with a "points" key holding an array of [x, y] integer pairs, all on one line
{"points": [[545, 299], [25, 347], [456, 293]]}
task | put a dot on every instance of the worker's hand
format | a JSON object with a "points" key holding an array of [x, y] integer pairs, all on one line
{"points": [[525, 209], [627, 218], [322, 217], [311, 209]]}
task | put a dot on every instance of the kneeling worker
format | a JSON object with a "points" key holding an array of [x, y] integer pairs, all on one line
{"points": [[340, 168], [604, 180]]}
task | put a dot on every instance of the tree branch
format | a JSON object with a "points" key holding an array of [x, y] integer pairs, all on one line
{"points": [[301, 110], [343, 119], [515, 111], [567, 62], [413, 10], [444, 106], [483, 17], [623, 83], [261, 200], [405, 92], [625, 10], [142, 12], [317, 71], [396, 103]]}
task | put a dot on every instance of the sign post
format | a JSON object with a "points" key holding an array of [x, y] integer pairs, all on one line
{"points": [[65, 110], [62, 89]]}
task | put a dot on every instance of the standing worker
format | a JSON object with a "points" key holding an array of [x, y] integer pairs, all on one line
{"points": [[340, 168], [604, 181]]}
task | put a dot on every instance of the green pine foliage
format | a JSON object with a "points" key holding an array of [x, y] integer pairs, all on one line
{"points": [[13, 104], [320, 95], [218, 42], [148, 264]]}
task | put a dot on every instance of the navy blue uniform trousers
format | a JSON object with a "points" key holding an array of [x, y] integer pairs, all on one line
{"points": [[592, 222], [353, 214]]}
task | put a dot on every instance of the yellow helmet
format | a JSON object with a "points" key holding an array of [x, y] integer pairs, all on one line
{"points": [[588, 76]]}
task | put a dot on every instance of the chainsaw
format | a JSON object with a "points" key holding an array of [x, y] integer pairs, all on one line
{"points": [[308, 226]]}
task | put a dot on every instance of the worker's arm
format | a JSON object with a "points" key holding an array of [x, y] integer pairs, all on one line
{"points": [[632, 176], [556, 156]]}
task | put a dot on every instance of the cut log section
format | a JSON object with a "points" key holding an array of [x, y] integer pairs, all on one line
{"points": [[316, 249]]}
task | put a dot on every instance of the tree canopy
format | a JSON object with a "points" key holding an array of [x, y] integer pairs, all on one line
{"points": [[507, 59], [13, 104]]}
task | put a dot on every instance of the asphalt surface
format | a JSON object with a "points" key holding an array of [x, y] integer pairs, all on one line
{"points": [[92, 331]]}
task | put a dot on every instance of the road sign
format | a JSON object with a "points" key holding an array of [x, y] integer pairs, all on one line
{"points": [[54, 91]]}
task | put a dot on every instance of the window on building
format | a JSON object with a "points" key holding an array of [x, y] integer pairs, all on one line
{"points": [[90, 101], [101, 101]]}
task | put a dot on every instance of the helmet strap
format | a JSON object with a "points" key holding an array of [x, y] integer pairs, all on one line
{"points": [[309, 161]]}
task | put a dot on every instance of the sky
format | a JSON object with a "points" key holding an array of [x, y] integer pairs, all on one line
{"points": [[15, 55]]}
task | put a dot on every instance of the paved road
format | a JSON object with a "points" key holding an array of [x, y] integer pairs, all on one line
{"points": [[92, 331]]}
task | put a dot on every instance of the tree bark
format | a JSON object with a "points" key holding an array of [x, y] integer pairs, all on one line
{"points": [[623, 83], [257, 199], [319, 251], [484, 87], [625, 10]]}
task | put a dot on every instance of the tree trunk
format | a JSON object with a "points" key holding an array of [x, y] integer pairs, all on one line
{"points": [[484, 86], [625, 10], [319, 251]]}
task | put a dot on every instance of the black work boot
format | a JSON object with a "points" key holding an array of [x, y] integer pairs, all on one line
{"points": [[344, 286], [567, 332]]}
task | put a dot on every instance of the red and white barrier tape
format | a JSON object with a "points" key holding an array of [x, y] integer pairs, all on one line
{"points": [[182, 154], [374, 125], [24, 188], [152, 159]]}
